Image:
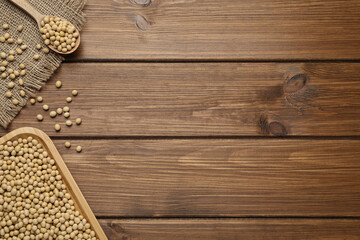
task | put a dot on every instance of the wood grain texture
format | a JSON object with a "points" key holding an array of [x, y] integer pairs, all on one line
{"points": [[228, 29], [203, 99], [231, 229], [259, 177]]}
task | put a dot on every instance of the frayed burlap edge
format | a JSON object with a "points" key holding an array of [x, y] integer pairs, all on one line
{"points": [[36, 79], [38, 75]]}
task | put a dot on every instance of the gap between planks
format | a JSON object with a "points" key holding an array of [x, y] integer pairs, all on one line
{"points": [[182, 60], [204, 137], [224, 217]]}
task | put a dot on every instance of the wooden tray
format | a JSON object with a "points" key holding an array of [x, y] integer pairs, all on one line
{"points": [[80, 203]]}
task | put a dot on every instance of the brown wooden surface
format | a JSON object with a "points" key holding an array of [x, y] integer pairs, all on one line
{"points": [[227, 29], [212, 177], [232, 229], [204, 99], [141, 88]]}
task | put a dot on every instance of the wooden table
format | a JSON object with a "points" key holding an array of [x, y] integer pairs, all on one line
{"points": [[209, 119]]}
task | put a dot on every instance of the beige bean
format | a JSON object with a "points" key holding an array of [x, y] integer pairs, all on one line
{"points": [[40, 117], [78, 121], [57, 127]]}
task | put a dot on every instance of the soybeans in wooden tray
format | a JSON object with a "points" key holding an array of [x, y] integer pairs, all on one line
{"points": [[39, 199]]}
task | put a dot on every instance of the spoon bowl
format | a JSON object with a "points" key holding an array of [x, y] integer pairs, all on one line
{"points": [[34, 13], [77, 43]]}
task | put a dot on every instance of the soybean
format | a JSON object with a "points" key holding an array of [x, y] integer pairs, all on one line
{"points": [[78, 121], [67, 144], [11, 84], [78, 148], [68, 123], [15, 101], [57, 127], [58, 84], [11, 58], [53, 114], [59, 111], [40, 117], [22, 93]]}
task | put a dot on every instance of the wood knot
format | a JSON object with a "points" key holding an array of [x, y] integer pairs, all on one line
{"points": [[141, 23], [296, 83], [142, 3], [263, 124], [277, 129]]}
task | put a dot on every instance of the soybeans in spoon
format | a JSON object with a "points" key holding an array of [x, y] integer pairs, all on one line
{"points": [[59, 34]]}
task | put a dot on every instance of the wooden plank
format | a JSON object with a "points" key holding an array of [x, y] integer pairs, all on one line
{"points": [[259, 177], [231, 229], [227, 29], [203, 99]]}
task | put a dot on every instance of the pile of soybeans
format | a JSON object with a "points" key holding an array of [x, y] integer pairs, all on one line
{"points": [[59, 33], [34, 201]]}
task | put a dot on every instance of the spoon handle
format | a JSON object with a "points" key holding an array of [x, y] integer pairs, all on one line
{"points": [[27, 7]]}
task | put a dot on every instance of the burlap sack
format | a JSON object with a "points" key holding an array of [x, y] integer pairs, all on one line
{"points": [[38, 72]]}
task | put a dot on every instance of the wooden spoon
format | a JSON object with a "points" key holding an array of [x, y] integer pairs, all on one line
{"points": [[27, 7]]}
